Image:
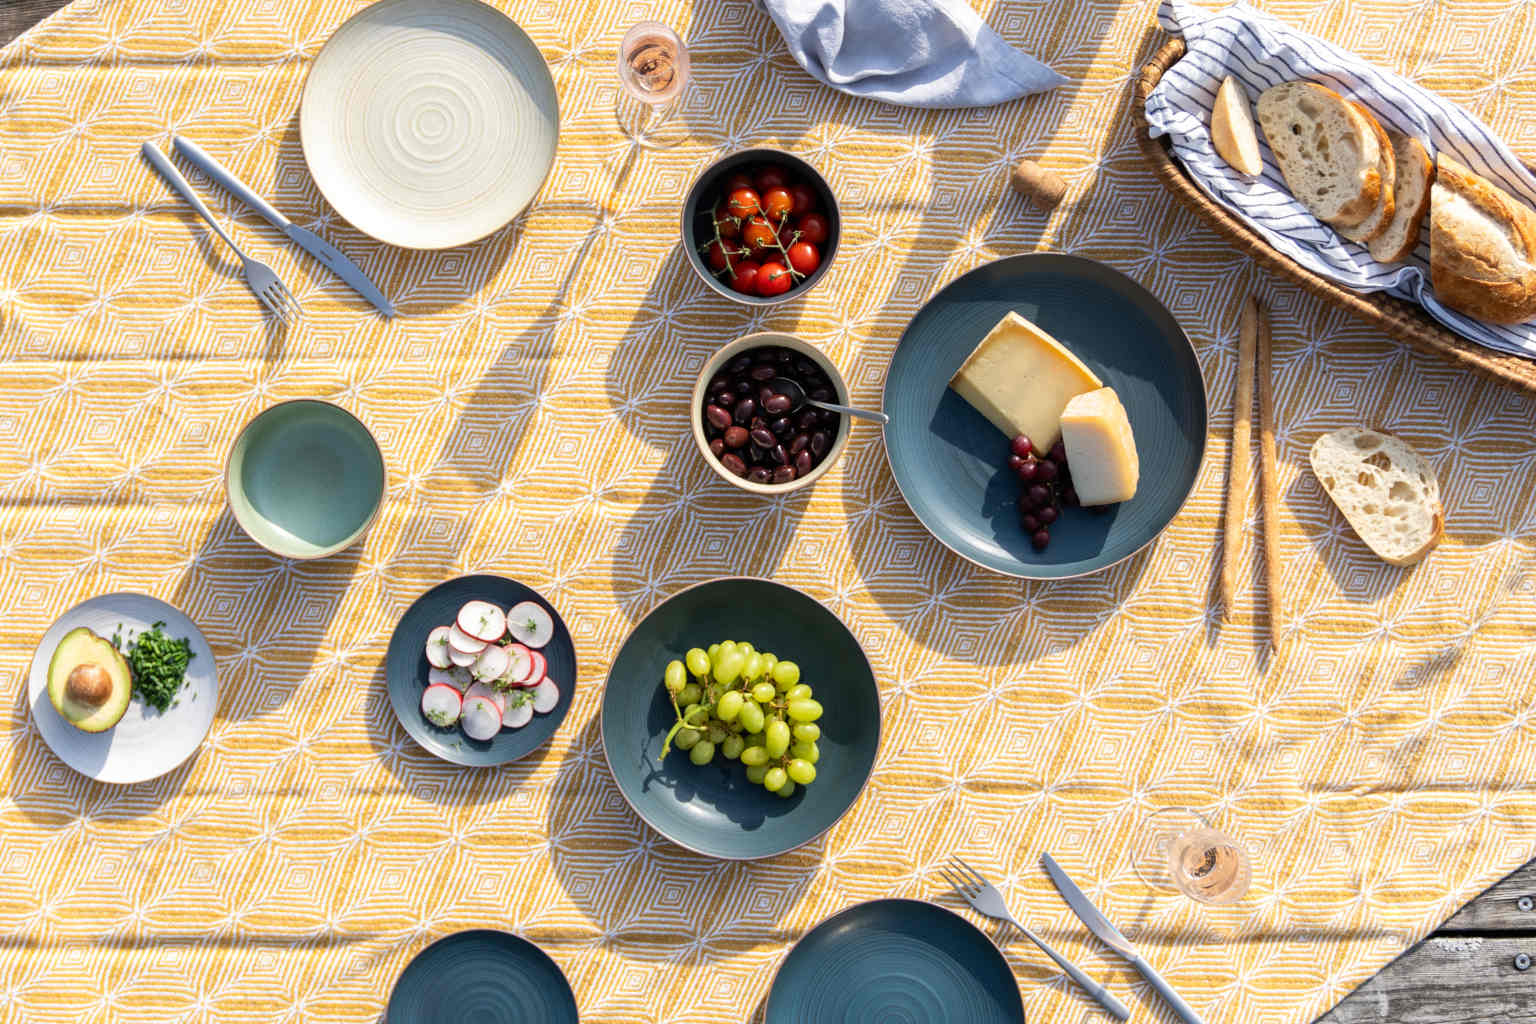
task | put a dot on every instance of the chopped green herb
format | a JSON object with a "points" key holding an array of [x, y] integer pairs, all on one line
{"points": [[159, 665]]}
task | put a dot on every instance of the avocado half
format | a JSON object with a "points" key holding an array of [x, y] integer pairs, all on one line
{"points": [[88, 681]]}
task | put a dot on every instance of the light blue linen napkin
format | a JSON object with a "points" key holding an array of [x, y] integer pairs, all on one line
{"points": [[918, 53]]}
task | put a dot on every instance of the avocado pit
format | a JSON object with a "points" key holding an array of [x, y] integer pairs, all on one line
{"points": [[89, 684]]}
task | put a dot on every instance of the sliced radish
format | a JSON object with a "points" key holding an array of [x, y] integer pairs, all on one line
{"points": [[460, 658], [545, 696], [462, 641], [483, 621], [519, 710], [530, 623], [494, 696], [540, 667], [493, 661], [455, 677], [481, 718], [520, 664], [441, 704], [437, 648]]}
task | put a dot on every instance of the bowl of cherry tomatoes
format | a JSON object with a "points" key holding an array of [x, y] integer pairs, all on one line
{"points": [[760, 226]]}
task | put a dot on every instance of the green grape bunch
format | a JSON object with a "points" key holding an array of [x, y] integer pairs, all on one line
{"points": [[745, 705]]}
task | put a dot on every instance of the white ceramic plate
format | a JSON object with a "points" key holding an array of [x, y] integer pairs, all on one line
{"points": [[429, 123], [145, 743]]}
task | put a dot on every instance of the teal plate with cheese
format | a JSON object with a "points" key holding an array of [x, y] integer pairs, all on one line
{"points": [[950, 462]]}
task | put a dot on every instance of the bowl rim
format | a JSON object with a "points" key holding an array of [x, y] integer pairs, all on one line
{"points": [[691, 252], [602, 732], [351, 538], [763, 339], [554, 156], [863, 904], [1030, 257], [478, 930]]}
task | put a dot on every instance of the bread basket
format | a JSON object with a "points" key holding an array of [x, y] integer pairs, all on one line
{"points": [[1404, 321]]}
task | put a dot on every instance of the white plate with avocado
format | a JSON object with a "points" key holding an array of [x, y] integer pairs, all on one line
{"points": [[119, 737]]}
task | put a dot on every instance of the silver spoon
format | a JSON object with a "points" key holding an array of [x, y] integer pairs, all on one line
{"points": [[796, 395]]}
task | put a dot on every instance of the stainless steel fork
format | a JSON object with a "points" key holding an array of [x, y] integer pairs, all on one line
{"points": [[982, 896], [269, 288]]}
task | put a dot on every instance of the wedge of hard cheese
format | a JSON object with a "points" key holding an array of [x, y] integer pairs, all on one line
{"points": [[1021, 379], [1101, 450]]}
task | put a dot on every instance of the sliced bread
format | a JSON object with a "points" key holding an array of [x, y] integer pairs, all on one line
{"points": [[1482, 246], [1385, 489], [1415, 174], [1380, 219], [1232, 130], [1327, 152]]}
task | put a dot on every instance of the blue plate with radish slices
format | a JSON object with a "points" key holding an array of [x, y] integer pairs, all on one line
{"points": [[484, 976], [481, 670]]}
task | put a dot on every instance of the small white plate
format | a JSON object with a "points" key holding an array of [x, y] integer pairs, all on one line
{"points": [[145, 743], [429, 123]]}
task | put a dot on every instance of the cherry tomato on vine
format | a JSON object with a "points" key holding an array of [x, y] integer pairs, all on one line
{"points": [[773, 279], [802, 200], [758, 235], [777, 204], [743, 203], [813, 228], [804, 257], [736, 181], [744, 277], [769, 177], [716, 255]]}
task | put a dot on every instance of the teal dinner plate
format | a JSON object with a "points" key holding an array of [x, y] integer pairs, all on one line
{"points": [[305, 479], [713, 809], [406, 668], [950, 462], [894, 960], [481, 977]]}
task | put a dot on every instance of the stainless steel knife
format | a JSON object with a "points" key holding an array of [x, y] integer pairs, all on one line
{"points": [[331, 257], [1097, 923]]}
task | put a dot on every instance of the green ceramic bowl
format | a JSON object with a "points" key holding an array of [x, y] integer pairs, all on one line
{"points": [[305, 479], [714, 809]]}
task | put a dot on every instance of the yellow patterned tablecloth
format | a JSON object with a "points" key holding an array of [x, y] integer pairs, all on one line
{"points": [[529, 402]]}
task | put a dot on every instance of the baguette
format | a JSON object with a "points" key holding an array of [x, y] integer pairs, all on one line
{"points": [[1482, 246], [1374, 226], [1415, 173], [1326, 150], [1385, 489]]}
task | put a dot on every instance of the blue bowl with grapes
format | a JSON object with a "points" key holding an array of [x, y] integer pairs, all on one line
{"points": [[715, 807]]}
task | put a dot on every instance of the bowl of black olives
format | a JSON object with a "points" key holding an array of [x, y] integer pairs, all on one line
{"points": [[754, 434]]}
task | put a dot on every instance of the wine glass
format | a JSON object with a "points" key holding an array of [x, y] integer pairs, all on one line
{"points": [[653, 68], [1177, 849]]}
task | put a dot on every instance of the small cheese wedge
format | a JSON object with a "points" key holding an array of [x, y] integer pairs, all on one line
{"points": [[1101, 451], [1021, 379]]}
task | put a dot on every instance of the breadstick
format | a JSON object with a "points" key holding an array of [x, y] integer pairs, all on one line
{"points": [[1239, 469], [1269, 482]]}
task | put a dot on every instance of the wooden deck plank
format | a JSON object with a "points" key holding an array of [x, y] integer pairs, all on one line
{"points": [[1463, 979], [1465, 974]]}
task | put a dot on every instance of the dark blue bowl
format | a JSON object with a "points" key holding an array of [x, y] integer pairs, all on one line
{"points": [[707, 188], [406, 668], [714, 809], [949, 460], [895, 959], [482, 977]]}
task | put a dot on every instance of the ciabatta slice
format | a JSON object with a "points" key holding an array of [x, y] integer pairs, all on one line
{"points": [[1326, 151], [1380, 219], [1385, 489], [1415, 174]]}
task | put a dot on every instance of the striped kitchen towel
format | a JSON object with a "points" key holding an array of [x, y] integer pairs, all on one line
{"points": [[1260, 51]]}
